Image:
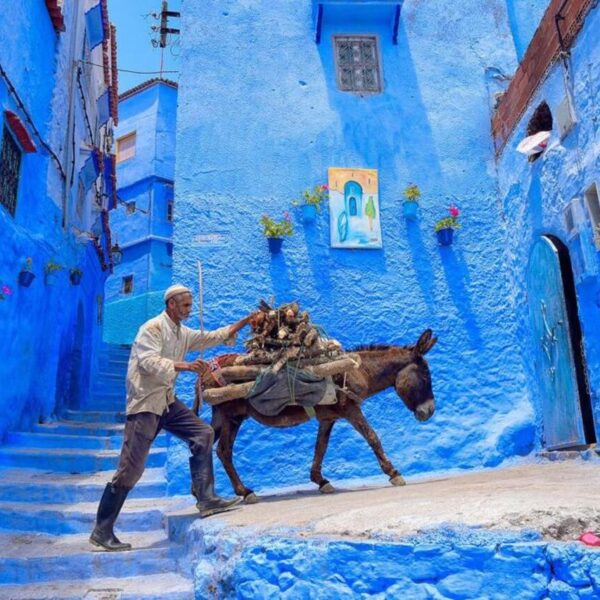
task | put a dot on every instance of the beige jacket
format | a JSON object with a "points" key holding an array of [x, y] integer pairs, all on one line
{"points": [[158, 345]]}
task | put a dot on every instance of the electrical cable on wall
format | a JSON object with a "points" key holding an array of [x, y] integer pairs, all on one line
{"points": [[28, 118]]}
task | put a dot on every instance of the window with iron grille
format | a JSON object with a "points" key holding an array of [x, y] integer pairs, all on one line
{"points": [[357, 64], [10, 165]]}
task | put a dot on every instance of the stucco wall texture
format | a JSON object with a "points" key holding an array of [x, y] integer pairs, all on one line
{"points": [[49, 333], [442, 563], [534, 196], [260, 119]]}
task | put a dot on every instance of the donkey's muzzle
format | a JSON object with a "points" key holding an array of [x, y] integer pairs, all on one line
{"points": [[424, 411]]}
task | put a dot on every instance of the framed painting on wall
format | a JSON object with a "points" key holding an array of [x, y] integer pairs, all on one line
{"points": [[354, 208]]}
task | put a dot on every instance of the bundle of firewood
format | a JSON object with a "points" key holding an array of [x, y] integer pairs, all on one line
{"points": [[280, 336]]}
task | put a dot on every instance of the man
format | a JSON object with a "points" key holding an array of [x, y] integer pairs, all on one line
{"points": [[157, 356]]}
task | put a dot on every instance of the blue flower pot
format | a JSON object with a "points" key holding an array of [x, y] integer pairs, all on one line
{"points": [[309, 213], [275, 245], [50, 279], [25, 278], [75, 278], [409, 210], [445, 236]]}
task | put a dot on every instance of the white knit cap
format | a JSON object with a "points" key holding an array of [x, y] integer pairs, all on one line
{"points": [[176, 289]]}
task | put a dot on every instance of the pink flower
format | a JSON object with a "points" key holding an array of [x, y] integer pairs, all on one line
{"points": [[454, 212], [324, 187], [6, 290]]}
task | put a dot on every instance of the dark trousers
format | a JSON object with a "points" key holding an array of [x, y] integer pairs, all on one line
{"points": [[142, 428]]}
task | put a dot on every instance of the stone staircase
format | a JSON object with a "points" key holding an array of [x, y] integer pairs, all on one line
{"points": [[51, 480]]}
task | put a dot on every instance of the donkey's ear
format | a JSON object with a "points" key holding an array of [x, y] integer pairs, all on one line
{"points": [[425, 343]]}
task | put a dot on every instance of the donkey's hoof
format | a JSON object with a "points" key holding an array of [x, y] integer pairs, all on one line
{"points": [[251, 498], [327, 488], [398, 480]]}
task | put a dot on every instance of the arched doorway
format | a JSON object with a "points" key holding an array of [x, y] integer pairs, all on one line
{"points": [[559, 357]]}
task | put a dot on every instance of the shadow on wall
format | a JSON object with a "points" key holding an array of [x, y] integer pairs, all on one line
{"points": [[457, 278], [423, 270], [381, 130]]}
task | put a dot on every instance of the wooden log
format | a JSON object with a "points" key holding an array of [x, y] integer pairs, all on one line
{"points": [[226, 393], [350, 361], [241, 372]]}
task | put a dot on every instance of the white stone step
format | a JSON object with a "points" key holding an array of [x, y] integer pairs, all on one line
{"points": [[33, 557], [33, 485], [142, 514], [163, 586]]}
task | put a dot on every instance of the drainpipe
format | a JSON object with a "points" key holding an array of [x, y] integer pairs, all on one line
{"points": [[70, 134]]}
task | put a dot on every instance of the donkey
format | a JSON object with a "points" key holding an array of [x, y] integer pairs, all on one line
{"points": [[382, 367]]}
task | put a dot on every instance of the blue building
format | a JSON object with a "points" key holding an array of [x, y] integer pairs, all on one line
{"points": [[58, 91], [404, 88], [142, 224], [551, 211]]}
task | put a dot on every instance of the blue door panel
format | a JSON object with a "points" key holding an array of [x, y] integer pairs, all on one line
{"points": [[563, 423]]}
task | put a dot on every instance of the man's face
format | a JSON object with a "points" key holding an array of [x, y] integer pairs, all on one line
{"points": [[182, 306]]}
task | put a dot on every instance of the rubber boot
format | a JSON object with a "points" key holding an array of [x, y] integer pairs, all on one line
{"points": [[203, 487], [108, 511]]}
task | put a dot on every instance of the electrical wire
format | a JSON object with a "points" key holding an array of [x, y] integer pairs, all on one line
{"points": [[87, 62], [21, 106]]}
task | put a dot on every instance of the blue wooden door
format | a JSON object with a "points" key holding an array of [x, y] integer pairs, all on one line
{"points": [[555, 361]]}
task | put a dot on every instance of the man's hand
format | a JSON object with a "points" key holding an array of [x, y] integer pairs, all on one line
{"points": [[198, 366], [243, 322]]}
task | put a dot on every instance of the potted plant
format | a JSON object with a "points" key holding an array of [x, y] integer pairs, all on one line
{"points": [[444, 228], [311, 201], [75, 275], [50, 271], [5, 290], [411, 202], [26, 276], [275, 231]]}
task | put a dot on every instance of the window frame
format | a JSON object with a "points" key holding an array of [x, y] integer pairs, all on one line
{"points": [[131, 134], [125, 280], [338, 71], [7, 133]]}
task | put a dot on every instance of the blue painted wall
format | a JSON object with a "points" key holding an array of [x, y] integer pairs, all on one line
{"points": [[524, 17], [441, 563], [260, 119], [534, 196], [49, 333], [145, 235]]}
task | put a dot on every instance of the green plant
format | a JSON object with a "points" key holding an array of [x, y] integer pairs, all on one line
{"points": [[76, 271], [315, 196], [52, 266], [450, 222], [277, 229], [412, 193]]}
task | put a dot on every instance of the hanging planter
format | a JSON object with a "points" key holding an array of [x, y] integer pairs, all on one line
{"points": [[275, 231], [445, 236], [311, 201], [275, 244], [25, 278], [410, 206], [51, 270], [75, 276], [309, 213], [410, 210], [444, 228]]}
